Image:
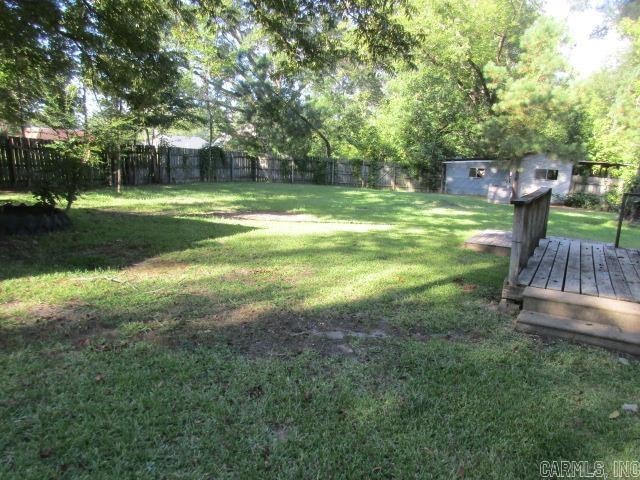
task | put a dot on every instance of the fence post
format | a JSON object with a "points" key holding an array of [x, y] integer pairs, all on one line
{"points": [[231, 168], [333, 164], [395, 169], [169, 164], [12, 162], [26, 159]]}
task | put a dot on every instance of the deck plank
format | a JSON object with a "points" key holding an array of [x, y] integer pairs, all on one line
{"points": [[587, 272], [630, 273], [541, 277], [634, 257], [556, 277], [618, 281], [603, 280], [528, 272], [572, 278]]}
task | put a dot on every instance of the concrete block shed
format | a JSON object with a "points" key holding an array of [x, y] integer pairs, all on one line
{"points": [[491, 179], [538, 171]]}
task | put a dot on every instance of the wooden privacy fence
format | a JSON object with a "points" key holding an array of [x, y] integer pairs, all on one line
{"points": [[24, 161], [594, 185]]}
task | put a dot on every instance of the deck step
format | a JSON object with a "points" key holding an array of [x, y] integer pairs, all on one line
{"points": [[593, 333], [587, 309]]}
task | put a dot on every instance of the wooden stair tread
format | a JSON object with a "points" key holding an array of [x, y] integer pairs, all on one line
{"points": [[599, 334], [617, 313], [586, 301]]}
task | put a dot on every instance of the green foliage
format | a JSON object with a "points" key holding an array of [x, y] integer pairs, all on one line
{"points": [[437, 109], [583, 200], [316, 34], [412, 81], [46, 192], [68, 175], [210, 159], [269, 111], [34, 62], [610, 102], [536, 111]]}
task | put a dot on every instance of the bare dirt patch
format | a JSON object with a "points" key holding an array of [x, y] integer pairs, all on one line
{"points": [[74, 322], [155, 267], [296, 223], [10, 307], [246, 275], [257, 330], [266, 216]]}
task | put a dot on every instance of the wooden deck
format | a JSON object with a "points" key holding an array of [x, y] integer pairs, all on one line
{"points": [[497, 242], [581, 290], [585, 268]]}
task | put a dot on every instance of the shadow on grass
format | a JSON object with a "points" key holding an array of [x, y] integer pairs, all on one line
{"points": [[100, 239], [257, 287], [450, 391], [376, 206], [472, 397]]}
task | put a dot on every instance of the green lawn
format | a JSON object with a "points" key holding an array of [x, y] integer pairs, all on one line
{"points": [[163, 337]]}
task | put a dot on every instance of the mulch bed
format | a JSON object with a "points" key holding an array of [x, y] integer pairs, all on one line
{"points": [[31, 219]]}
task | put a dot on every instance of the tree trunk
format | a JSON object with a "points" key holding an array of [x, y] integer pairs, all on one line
{"points": [[325, 140], [117, 170], [210, 120], [85, 113]]}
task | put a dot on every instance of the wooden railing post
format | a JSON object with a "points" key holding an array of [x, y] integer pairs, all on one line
{"points": [[623, 208], [516, 244], [530, 218]]}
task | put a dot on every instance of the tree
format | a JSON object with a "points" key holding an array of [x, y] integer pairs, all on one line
{"points": [[68, 177], [611, 101], [437, 108], [30, 66], [110, 129], [536, 110]]}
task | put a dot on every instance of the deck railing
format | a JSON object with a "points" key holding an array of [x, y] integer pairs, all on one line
{"points": [[530, 217], [623, 212]]}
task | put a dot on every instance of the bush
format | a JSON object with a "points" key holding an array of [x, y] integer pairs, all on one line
{"points": [[613, 199], [211, 158], [583, 200], [66, 176]]}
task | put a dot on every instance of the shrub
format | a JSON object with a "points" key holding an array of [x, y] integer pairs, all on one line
{"points": [[211, 158], [583, 200], [65, 177], [613, 199]]}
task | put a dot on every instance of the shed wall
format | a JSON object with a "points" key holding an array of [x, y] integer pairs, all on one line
{"points": [[458, 181], [529, 183]]}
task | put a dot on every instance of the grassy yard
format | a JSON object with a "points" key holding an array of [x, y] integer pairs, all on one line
{"points": [[254, 331]]}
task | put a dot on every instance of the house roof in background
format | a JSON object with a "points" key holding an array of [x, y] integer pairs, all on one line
{"points": [[183, 141], [48, 133], [605, 164], [581, 162], [464, 160]]}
